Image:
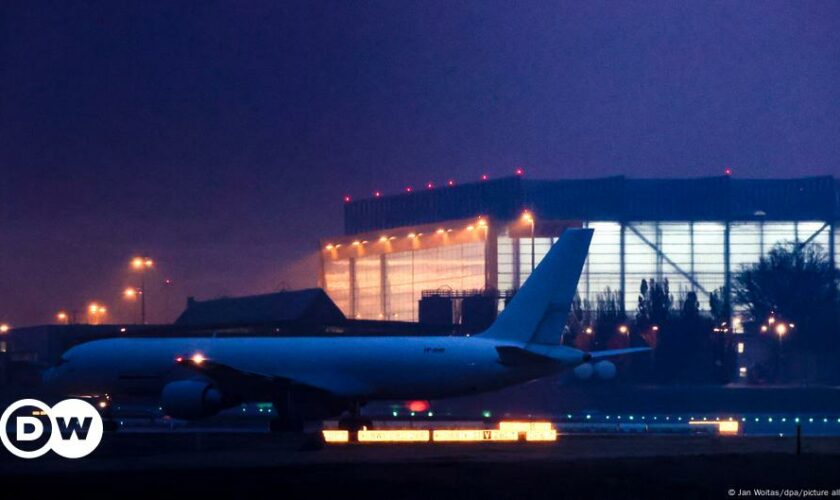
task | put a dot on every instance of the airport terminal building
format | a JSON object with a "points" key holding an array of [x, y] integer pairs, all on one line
{"points": [[488, 235]]}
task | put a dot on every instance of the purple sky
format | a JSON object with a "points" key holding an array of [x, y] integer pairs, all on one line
{"points": [[219, 138]]}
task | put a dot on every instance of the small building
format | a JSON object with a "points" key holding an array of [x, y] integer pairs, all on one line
{"points": [[308, 307]]}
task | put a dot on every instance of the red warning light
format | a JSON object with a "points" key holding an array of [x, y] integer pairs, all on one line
{"points": [[377, 194], [347, 198], [450, 182], [484, 177], [520, 171], [409, 189], [429, 185], [727, 171], [418, 406]]}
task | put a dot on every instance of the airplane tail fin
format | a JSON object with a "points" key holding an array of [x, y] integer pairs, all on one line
{"points": [[538, 312]]}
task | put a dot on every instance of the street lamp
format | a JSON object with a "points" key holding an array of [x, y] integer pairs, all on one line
{"points": [[131, 293], [96, 312], [141, 265], [529, 218], [782, 330], [5, 328], [62, 317]]}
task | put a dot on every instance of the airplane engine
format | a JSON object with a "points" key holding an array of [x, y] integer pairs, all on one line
{"points": [[584, 371], [604, 370], [191, 399]]}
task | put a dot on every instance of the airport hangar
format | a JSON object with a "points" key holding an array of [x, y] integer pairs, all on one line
{"points": [[485, 237]]}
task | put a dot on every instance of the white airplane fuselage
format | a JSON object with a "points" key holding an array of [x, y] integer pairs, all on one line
{"points": [[353, 367]]}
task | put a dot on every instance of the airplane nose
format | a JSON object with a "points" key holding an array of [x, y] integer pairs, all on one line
{"points": [[53, 377], [49, 376]]}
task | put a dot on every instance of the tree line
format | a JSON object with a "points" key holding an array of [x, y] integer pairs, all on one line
{"points": [[787, 303]]}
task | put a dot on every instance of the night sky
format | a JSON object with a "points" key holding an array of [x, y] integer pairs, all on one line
{"points": [[219, 138]]}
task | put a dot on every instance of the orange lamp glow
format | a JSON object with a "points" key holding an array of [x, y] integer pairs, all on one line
{"points": [[335, 436], [393, 436], [473, 435]]}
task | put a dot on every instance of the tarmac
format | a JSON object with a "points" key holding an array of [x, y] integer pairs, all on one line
{"points": [[263, 465]]}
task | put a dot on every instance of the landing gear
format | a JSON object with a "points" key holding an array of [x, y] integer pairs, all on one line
{"points": [[354, 424], [355, 421], [288, 418], [286, 423]]}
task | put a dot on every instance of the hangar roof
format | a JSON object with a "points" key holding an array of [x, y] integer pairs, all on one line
{"points": [[610, 198]]}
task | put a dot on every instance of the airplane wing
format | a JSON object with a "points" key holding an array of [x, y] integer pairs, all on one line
{"points": [[220, 371], [237, 380], [541, 353], [231, 379], [598, 355]]}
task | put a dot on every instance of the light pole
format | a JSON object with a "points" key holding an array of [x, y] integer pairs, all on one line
{"points": [[529, 218], [131, 293], [142, 265]]}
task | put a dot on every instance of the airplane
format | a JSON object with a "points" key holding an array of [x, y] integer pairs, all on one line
{"points": [[314, 378]]}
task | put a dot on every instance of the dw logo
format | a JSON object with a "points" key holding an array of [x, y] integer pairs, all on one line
{"points": [[74, 428]]}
